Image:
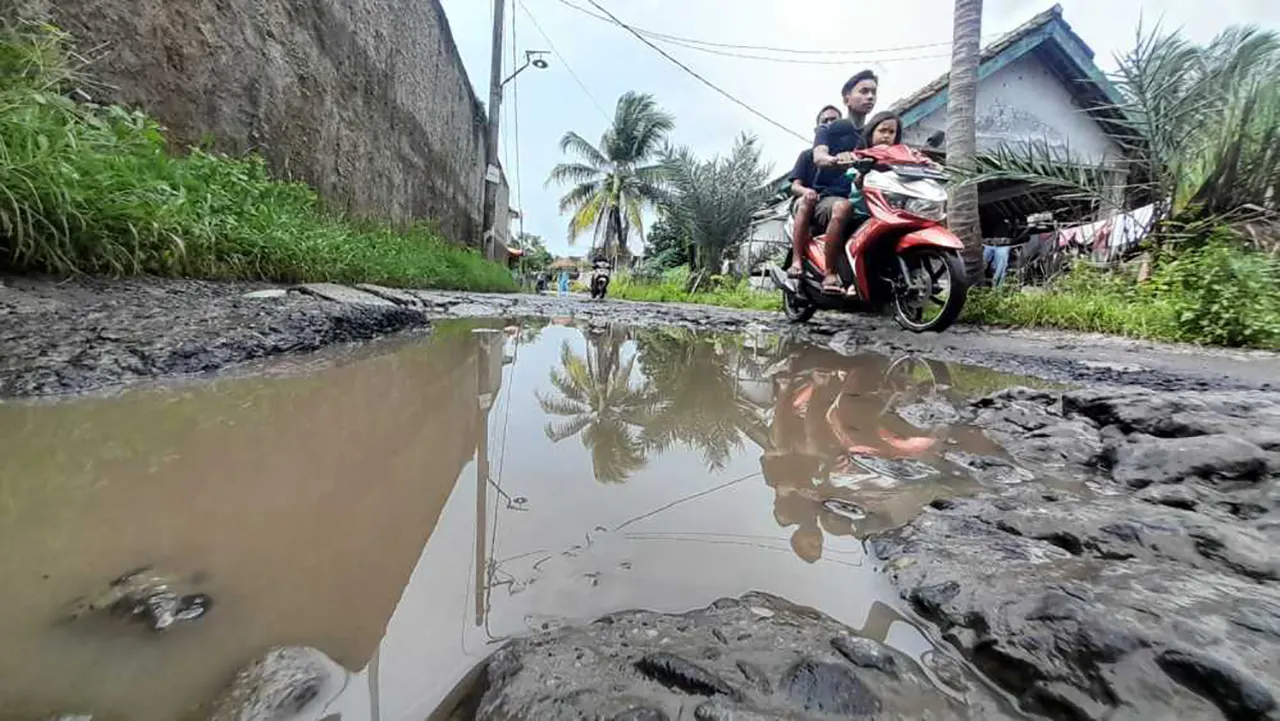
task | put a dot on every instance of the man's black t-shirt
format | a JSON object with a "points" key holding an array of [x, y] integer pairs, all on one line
{"points": [[804, 169], [842, 136]]}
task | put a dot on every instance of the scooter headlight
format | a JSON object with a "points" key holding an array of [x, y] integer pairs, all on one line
{"points": [[919, 207], [927, 209]]}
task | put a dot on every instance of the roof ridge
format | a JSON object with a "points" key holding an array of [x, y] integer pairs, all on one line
{"points": [[992, 49]]}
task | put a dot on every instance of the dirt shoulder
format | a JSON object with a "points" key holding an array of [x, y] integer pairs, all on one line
{"points": [[66, 337]]}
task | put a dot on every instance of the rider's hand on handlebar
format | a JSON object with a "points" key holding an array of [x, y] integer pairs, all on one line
{"points": [[845, 158]]}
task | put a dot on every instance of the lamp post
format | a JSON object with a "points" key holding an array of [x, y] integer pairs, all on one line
{"points": [[491, 174]]}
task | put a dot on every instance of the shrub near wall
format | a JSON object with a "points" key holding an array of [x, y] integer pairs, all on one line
{"points": [[94, 189]]}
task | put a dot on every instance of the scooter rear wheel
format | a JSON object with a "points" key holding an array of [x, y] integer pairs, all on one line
{"points": [[933, 292], [796, 307]]}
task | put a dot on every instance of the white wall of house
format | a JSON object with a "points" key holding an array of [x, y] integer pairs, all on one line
{"points": [[1024, 101]]}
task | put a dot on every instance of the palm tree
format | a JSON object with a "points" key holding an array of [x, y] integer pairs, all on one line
{"points": [[712, 202], [1200, 135], [962, 142], [612, 182], [598, 400]]}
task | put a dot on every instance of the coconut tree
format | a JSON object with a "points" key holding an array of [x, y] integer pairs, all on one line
{"points": [[701, 406], [613, 182], [712, 201], [962, 143], [598, 400]]}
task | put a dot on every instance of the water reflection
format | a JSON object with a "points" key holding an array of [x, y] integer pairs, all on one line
{"points": [[598, 399], [407, 512]]}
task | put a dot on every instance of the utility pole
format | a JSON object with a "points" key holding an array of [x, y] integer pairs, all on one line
{"points": [[489, 242]]}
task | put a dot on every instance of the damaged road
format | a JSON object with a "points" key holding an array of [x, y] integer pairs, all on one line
{"points": [[1152, 590], [81, 335], [1156, 596]]}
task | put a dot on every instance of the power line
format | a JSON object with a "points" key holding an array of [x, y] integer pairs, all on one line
{"points": [[795, 51], [703, 80], [564, 60], [803, 61]]}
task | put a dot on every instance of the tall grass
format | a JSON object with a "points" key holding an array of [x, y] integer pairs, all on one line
{"points": [[670, 288], [1219, 293], [93, 189]]}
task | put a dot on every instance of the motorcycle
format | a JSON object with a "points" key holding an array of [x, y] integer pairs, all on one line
{"points": [[599, 281], [901, 256]]}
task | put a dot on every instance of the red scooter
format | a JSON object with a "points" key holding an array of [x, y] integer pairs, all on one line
{"points": [[901, 256]]}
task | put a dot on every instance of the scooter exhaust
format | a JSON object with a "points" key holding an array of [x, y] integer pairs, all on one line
{"points": [[780, 279]]}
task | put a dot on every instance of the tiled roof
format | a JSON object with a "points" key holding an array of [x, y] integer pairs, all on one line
{"points": [[988, 53]]}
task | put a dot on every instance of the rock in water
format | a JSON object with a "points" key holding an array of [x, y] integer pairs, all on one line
{"points": [[725, 662], [283, 684]]}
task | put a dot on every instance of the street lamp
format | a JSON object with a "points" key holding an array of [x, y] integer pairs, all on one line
{"points": [[496, 85], [531, 57]]}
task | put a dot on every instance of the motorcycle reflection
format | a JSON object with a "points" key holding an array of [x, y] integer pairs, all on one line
{"points": [[841, 461]]}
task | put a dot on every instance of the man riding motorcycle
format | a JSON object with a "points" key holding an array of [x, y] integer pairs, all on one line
{"points": [[833, 148]]}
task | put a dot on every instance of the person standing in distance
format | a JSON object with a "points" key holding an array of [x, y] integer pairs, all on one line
{"points": [[833, 148]]}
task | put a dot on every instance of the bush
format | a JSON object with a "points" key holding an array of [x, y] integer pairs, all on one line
{"points": [[93, 189], [1222, 294], [1217, 293], [717, 290]]}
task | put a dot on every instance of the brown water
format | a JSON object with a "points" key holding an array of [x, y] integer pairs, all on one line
{"points": [[346, 508]]}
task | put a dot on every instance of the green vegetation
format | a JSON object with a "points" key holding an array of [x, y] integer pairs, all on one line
{"points": [[710, 203], [672, 287], [1200, 141], [536, 256], [1217, 293], [612, 183], [93, 189]]}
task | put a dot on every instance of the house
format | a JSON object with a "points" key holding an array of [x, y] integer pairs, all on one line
{"points": [[1037, 84]]}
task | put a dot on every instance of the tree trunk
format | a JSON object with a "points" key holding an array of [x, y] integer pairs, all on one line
{"points": [[962, 212]]}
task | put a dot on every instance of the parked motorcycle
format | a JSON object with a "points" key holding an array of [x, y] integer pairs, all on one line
{"points": [[902, 256], [599, 280]]}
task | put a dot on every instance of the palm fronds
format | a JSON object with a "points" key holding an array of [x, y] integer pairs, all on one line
{"points": [[1199, 137], [712, 201], [610, 185]]}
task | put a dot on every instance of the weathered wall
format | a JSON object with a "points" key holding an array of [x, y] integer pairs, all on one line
{"points": [[366, 100], [1023, 102]]}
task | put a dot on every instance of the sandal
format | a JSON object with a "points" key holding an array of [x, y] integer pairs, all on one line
{"points": [[832, 286], [795, 272]]}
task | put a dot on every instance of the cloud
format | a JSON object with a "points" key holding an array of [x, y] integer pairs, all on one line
{"points": [[609, 61]]}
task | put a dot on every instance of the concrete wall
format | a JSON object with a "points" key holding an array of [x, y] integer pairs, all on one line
{"points": [[366, 100], [1021, 102]]}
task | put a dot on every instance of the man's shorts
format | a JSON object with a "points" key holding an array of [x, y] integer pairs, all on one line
{"points": [[822, 211]]}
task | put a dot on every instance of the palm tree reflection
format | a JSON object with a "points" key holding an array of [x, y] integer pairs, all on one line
{"points": [[598, 398]]}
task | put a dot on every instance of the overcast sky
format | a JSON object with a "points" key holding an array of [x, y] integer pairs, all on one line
{"points": [[608, 61]]}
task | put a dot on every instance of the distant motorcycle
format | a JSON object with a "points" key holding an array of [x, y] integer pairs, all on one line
{"points": [[600, 280], [541, 283]]}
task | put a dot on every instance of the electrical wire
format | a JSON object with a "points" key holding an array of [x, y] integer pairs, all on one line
{"points": [[582, 86], [802, 61], [699, 77], [767, 48]]}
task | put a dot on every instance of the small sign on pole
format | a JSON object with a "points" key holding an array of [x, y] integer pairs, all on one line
{"points": [[493, 175]]}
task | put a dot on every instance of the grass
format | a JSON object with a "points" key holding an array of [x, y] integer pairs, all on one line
{"points": [[94, 189], [1217, 292], [671, 289], [1094, 304]]}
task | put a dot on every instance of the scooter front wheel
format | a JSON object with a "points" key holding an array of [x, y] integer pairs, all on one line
{"points": [[932, 290]]}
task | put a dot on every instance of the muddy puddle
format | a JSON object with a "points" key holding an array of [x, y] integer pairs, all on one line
{"points": [[407, 512]]}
